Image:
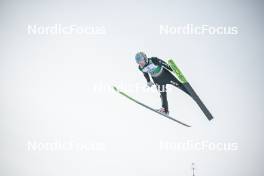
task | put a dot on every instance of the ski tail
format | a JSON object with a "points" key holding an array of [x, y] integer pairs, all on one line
{"points": [[189, 88]]}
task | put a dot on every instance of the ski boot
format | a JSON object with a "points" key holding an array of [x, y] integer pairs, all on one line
{"points": [[162, 110]]}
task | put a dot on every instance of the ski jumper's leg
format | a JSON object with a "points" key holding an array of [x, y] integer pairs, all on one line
{"points": [[163, 96], [175, 82]]}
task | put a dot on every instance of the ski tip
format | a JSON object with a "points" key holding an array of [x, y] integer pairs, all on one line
{"points": [[115, 88]]}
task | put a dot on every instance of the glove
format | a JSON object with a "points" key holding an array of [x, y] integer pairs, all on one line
{"points": [[150, 84]]}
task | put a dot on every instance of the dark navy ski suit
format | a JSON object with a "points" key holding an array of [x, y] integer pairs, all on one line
{"points": [[161, 75]]}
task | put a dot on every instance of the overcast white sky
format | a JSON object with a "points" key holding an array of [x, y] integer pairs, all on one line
{"points": [[47, 89]]}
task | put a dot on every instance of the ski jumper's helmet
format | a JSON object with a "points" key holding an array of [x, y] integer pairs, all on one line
{"points": [[141, 56]]}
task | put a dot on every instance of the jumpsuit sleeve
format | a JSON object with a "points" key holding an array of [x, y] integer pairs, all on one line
{"points": [[146, 75], [160, 62]]}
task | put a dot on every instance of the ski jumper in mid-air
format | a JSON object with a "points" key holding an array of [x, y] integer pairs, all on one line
{"points": [[161, 75]]}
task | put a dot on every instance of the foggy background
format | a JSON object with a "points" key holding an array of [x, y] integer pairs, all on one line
{"points": [[47, 88]]}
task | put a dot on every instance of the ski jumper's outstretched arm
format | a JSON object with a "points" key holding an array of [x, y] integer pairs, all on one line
{"points": [[146, 75]]}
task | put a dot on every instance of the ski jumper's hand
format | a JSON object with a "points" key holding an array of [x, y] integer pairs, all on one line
{"points": [[150, 83]]}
